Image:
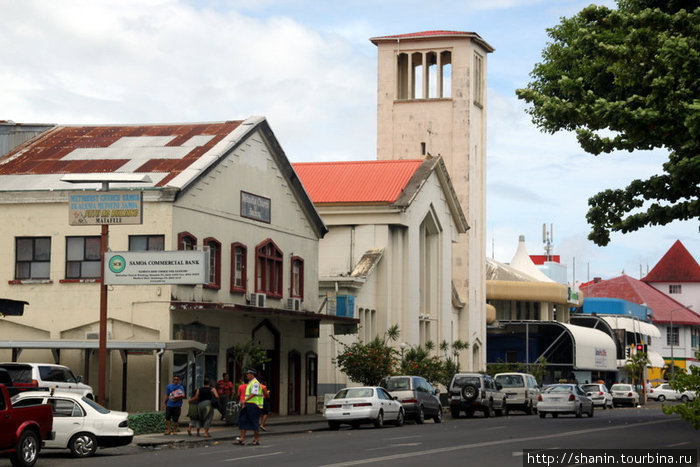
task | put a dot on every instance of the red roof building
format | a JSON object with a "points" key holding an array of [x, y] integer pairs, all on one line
{"points": [[677, 265]]}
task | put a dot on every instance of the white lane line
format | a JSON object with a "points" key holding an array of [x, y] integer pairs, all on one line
{"points": [[404, 437], [426, 452], [268, 454], [677, 444]]}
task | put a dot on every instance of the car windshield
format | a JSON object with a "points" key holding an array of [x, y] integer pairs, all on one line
{"points": [[510, 381], [558, 388], [95, 405], [621, 387], [464, 380], [590, 387], [349, 393], [397, 384]]}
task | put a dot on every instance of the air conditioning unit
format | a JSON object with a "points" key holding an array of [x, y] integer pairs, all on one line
{"points": [[294, 304], [258, 299], [96, 335]]}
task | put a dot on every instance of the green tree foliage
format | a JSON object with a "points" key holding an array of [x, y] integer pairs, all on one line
{"points": [[635, 365], [627, 79], [368, 363], [249, 355], [689, 411], [536, 369], [420, 361]]}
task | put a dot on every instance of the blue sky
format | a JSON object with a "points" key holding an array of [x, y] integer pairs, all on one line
{"points": [[310, 68]]}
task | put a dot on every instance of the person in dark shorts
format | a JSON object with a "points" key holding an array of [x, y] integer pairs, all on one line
{"points": [[252, 406], [174, 394]]}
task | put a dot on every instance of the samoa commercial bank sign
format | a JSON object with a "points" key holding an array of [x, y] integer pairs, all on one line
{"points": [[184, 267]]}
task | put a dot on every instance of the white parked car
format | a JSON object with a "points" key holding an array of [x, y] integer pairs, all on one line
{"points": [[664, 392], [599, 394], [79, 424], [564, 398], [47, 376], [624, 394], [353, 406]]}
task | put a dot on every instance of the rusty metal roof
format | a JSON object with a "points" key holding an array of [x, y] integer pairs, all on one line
{"points": [[356, 182], [162, 151]]}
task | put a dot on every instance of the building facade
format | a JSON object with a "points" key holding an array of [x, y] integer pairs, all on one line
{"points": [[387, 255], [223, 188]]}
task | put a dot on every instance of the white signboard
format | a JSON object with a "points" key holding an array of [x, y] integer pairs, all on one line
{"points": [[107, 207], [156, 267]]}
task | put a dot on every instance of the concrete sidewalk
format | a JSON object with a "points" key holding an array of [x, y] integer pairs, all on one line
{"points": [[221, 432]]}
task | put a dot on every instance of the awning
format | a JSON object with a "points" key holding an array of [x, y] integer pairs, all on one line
{"points": [[655, 360], [632, 325], [593, 349]]}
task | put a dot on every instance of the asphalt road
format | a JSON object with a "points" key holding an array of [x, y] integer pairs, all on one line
{"points": [[477, 441]]}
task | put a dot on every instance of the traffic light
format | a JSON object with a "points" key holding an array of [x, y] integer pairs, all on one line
{"points": [[627, 351], [641, 348]]}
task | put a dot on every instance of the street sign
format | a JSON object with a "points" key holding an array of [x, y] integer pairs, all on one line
{"points": [[105, 208]]}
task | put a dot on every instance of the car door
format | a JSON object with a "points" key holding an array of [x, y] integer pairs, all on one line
{"points": [[68, 419], [432, 401], [389, 405]]}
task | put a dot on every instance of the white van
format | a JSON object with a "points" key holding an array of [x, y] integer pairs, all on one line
{"points": [[521, 391], [46, 375]]}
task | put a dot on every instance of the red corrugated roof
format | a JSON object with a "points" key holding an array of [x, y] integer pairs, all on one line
{"points": [[636, 291], [677, 265], [67, 149], [356, 181]]}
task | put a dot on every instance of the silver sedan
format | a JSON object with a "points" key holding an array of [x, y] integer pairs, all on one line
{"points": [[353, 406], [564, 398]]}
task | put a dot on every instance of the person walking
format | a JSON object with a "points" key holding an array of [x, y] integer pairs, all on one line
{"points": [[249, 418], [174, 394], [205, 397], [225, 389], [266, 405]]}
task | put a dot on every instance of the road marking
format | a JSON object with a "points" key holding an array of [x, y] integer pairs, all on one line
{"points": [[427, 452], [404, 437], [677, 444], [400, 445], [253, 457], [494, 428]]}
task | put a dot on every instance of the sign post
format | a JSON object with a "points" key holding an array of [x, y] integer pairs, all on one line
{"points": [[103, 208]]}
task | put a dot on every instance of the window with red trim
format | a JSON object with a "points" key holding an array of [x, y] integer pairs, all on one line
{"points": [[214, 263], [239, 266], [268, 268], [186, 241], [297, 278]]}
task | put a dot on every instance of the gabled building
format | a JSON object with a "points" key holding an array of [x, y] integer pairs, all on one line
{"points": [[387, 256], [679, 326], [224, 187], [677, 275]]}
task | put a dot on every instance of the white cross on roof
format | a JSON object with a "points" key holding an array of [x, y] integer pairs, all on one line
{"points": [[139, 150]]}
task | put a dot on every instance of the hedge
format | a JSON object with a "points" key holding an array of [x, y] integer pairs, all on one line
{"points": [[147, 422]]}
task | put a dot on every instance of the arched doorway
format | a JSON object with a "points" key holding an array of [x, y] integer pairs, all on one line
{"points": [[268, 338], [294, 386]]}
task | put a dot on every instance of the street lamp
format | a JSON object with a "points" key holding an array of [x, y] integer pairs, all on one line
{"points": [[104, 179], [402, 346], [673, 339]]}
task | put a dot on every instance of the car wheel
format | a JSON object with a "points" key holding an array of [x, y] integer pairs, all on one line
{"points": [[579, 411], [335, 426], [590, 414], [555, 415], [469, 392], [488, 411], [438, 416], [420, 416], [543, 414], [661, 398], [26, 451], [83, 445], [454, 412], [684, 398], [379, 421], [528, 407], [400, 418]]}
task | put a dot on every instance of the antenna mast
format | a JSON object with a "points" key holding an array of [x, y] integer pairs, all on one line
{"points": [[548, 239]]}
